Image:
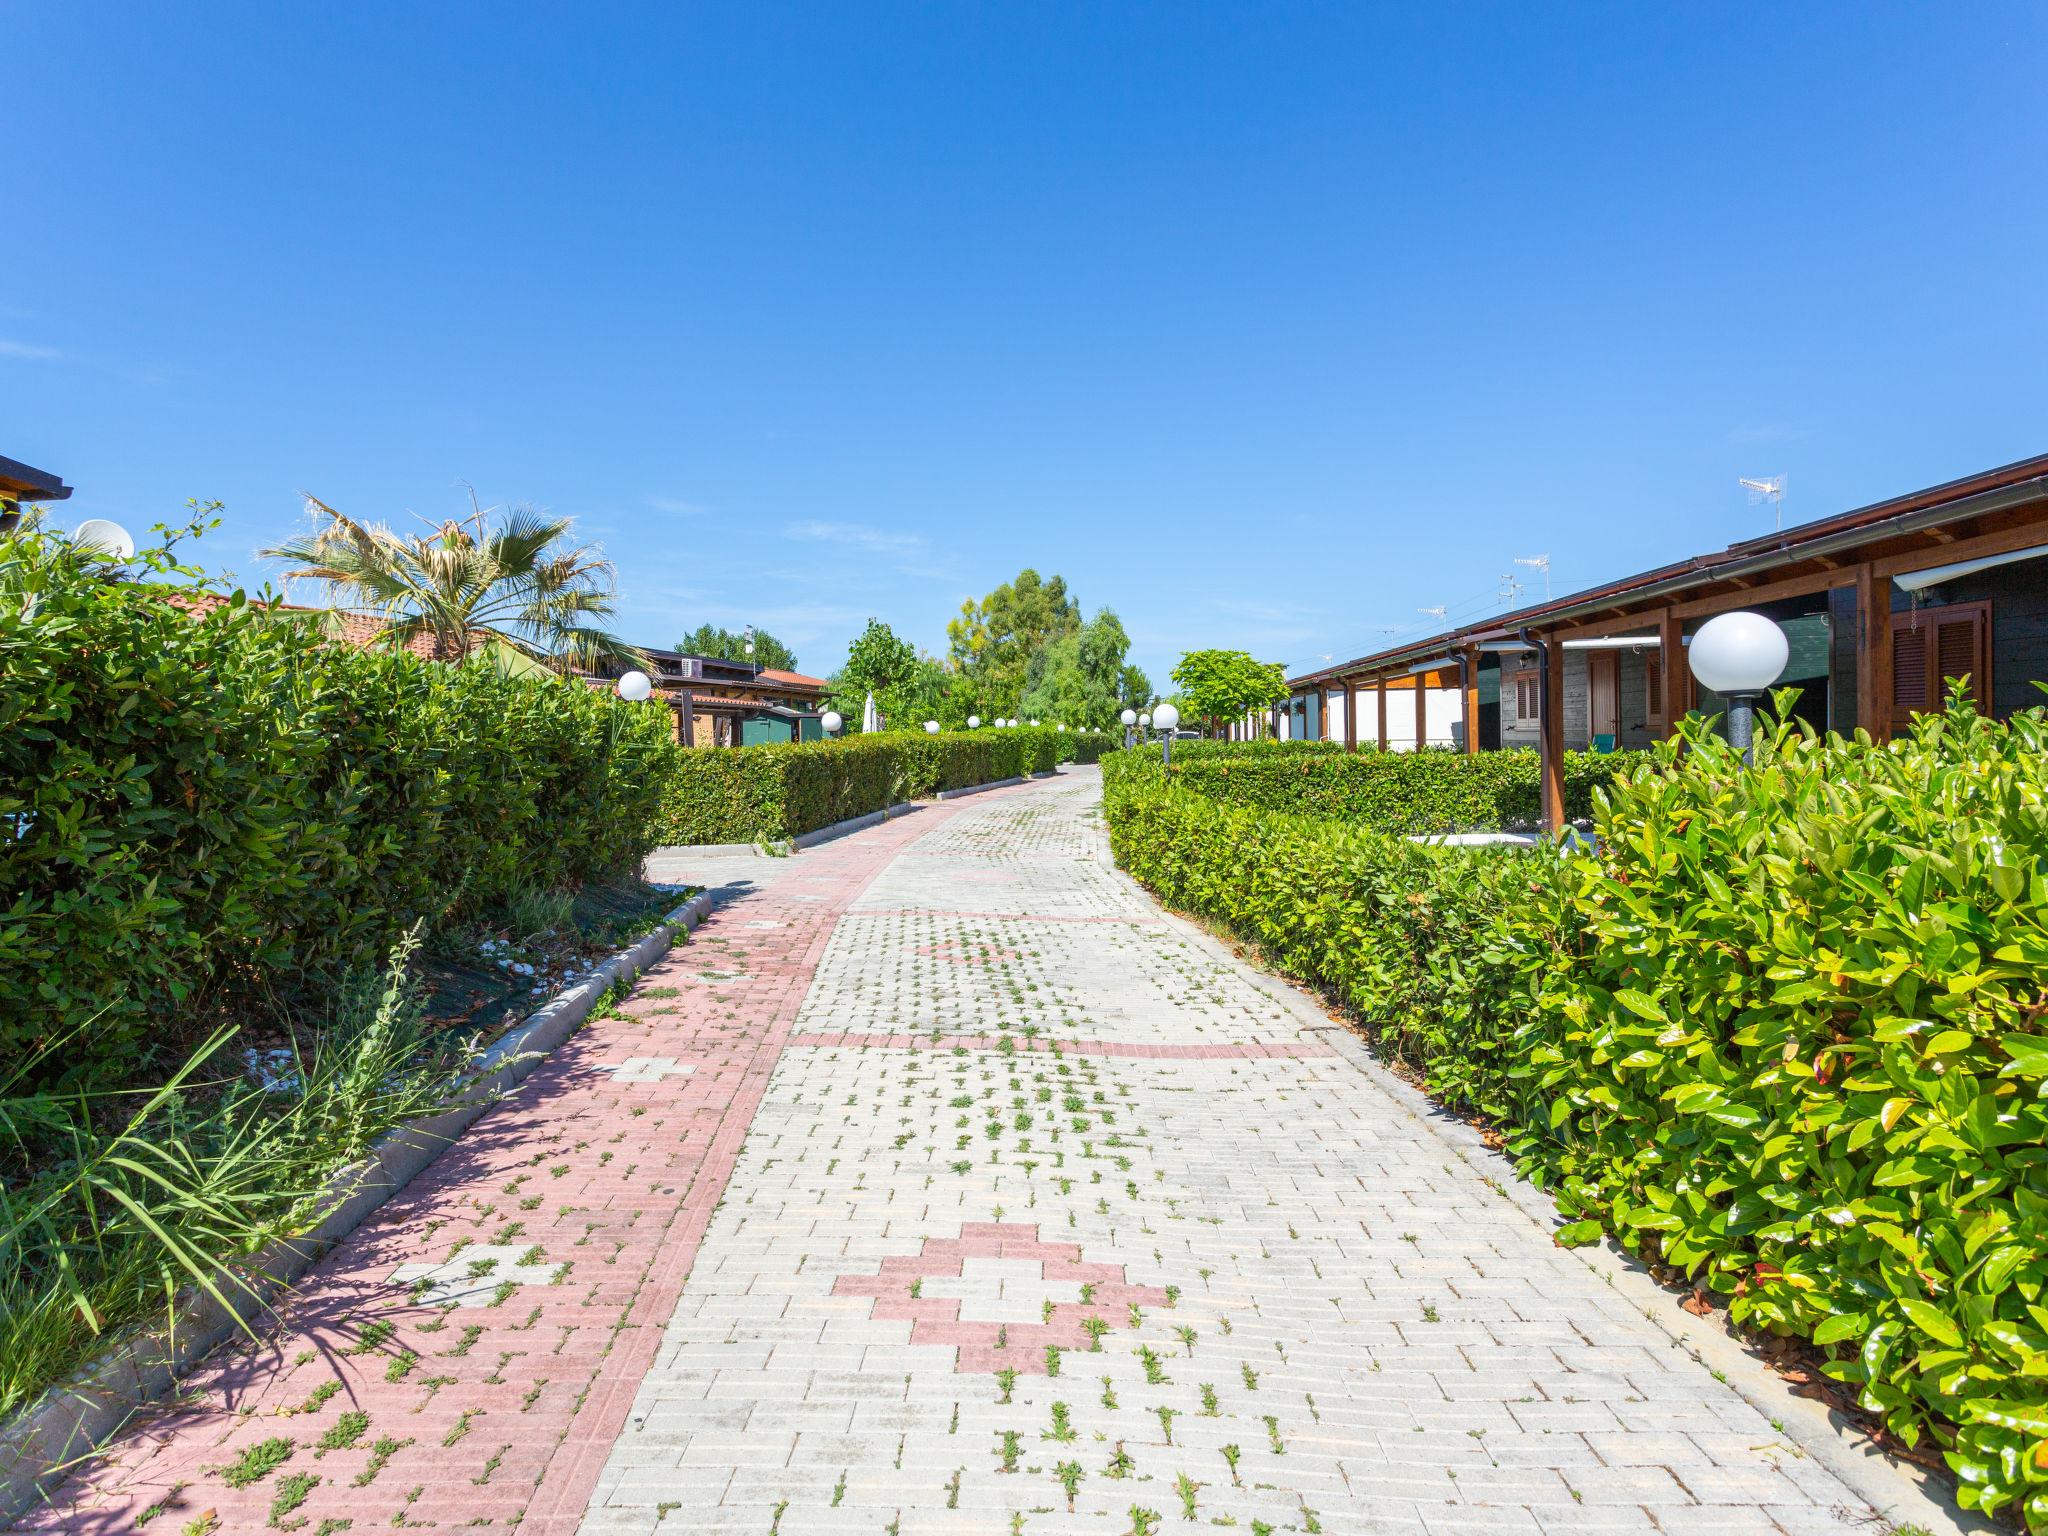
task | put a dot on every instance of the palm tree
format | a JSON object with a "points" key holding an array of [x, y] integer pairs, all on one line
{"points": [[520, 578]]}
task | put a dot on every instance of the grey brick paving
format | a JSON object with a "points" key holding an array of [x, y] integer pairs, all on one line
{"points": [[1348, 1329]]}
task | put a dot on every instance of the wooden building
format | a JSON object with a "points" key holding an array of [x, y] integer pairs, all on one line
{"points": [[19, 483], [1880, 605], [721, 703]]}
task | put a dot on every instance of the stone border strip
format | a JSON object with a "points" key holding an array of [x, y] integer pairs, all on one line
{"points": [[837, 829], [74, 1418], [1902, 1493], [1250, 1050]]}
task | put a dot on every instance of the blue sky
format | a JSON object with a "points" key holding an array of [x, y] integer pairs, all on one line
{"points": [[1267, 325]]}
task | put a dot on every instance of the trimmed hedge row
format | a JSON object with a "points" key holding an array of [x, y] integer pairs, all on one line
{"points": [[1087, 746], [1434, 790], [194, 806], [784, 789], [1783, 1031]]}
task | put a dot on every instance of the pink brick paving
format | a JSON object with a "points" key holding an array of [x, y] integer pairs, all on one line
{"points": [[590, 1187]]}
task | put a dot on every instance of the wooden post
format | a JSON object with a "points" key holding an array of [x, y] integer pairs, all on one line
{"points": [[1468, 668], [1674, 676], [1874, 652], [1350, 717], [1421, 711], [1381, 685], [1552, 734], [1323, 713]]}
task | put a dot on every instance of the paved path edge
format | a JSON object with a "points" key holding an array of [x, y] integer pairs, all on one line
{"points": [[1904, 1494], [44, 1443]]}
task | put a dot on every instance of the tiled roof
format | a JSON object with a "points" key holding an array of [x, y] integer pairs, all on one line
{"points": [[357, 629], [793, 679]]}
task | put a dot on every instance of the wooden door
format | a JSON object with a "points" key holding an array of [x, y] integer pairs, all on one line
{"points": [[1932, 645], [1603, 676]]}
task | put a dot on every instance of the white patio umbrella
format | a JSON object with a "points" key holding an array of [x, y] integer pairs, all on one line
{"points": [[869, 719]]}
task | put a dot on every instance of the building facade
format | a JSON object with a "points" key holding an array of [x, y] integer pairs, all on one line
{"points": [[1881, 607]]}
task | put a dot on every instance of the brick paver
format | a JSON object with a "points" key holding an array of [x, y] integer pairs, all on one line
{"points": [[1047, 1219], [466, 1358], [1051, 1221]]}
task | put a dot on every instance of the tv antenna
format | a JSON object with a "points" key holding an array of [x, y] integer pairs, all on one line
{"points": [[1439, 613], [1538, 563], [1771, 489], [1510, 588]]}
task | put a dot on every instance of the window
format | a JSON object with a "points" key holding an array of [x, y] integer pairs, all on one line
{"points": [[1526, 696], [1932, 645]]}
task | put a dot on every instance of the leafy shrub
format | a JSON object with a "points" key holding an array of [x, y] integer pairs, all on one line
{"points": [[1087, 746], [1783, 1032], [113, 1203], [784, 789], [1434, 790], [195, 804]]}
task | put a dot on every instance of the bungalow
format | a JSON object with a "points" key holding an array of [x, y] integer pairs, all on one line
{"points": [[1880, 606], [720, 703]]}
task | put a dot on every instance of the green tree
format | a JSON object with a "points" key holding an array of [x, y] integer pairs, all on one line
{"points": [[1080, 679], [728, 645], [520, 577], [993, 641], [1224, 685], [909, 687]]}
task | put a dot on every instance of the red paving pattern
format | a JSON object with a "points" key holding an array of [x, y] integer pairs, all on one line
{"points": [[557, 1234], [991, 1346], [1243, 1050]]}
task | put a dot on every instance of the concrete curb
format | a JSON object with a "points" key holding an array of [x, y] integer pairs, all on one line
{"points": [[1903, 1494], [71, 1420]]}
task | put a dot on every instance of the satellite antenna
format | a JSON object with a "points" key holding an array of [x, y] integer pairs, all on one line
{"points": [[1771, 489], [1538, 563]]}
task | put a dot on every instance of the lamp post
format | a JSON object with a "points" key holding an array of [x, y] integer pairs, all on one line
{"points": [[832, 721], [634, 687], [1166, 717], [1738, 655], [1130, 720]]}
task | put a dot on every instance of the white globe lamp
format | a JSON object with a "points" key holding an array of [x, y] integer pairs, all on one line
{"points": [[1166, 717], [104, 537], [974, 722], [931, 727], [1144, 722], [832, 721], [635, 687], [1061, 726], [1738, 655]]}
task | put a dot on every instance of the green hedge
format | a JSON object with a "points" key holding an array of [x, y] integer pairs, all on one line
{"points": [[198, 809], [1087, 746], [785, 789], [1783, 1031], [1435, 790]]}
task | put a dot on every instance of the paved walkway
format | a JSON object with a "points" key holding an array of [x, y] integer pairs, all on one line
{"points": [[944, 1185]]}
